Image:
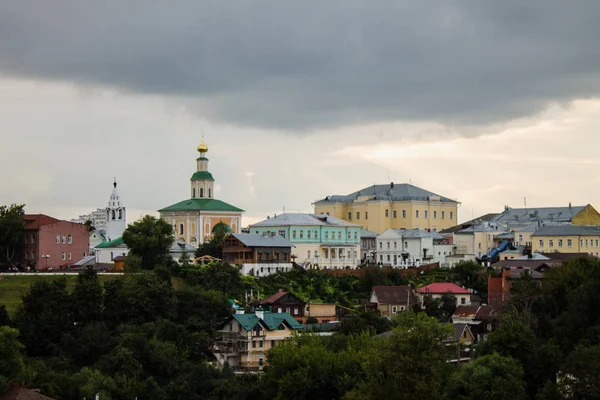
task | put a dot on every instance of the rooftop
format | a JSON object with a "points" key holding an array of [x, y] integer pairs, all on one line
{"points": [[34, 221], [389, 192], [270, 320], [441, 288], [467, 224], [256, 240], [118, 242], [366, 234], [567, 230], [201, 205], [393, 294], [299, 219], [534, 214], [274, 297]]}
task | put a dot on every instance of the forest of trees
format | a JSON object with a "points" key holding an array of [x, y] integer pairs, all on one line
{"points": [[148, 334]]}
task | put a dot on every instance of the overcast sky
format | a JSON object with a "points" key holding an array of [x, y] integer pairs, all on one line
{"points": [[486, 102]]}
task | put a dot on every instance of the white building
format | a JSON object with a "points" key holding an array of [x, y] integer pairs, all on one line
{"points": [[116, 218], [403, 248], [97, 217]]}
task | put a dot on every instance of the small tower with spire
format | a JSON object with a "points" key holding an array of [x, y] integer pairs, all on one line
{"points": [[202, 182], [116, 218]]}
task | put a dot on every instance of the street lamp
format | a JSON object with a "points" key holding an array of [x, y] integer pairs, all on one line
{"points": [[46, 257]]}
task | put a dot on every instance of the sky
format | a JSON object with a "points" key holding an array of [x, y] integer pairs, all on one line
{"points": [[489, 103]]}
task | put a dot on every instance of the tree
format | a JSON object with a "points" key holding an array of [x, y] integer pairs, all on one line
{"points": [[411, 363], [442, 308], [4, 317], [86, 298], [580, 374], [150, 239], [12, 228], [90, 225], [11, 359], [491, 377]]}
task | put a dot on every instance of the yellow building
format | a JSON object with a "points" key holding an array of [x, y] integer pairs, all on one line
{"points": [[245, 340], [402, 206], [195, 220], [567, 239], [574, 215], [478, 239]]}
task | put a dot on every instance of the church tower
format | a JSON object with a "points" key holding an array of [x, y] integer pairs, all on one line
{"points": [[202, 182], [115, 215]]}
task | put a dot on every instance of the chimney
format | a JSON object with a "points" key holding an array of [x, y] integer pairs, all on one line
{"points": [[570, 205], [391, 185], [268, 217], [280, 290], [260, 313]]}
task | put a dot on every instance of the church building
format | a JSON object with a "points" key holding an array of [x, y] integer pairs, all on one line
{"points": [[196, 219], [116, 219]]}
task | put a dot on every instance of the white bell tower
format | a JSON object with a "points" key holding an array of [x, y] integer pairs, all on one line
{"points": [[116, 220]]}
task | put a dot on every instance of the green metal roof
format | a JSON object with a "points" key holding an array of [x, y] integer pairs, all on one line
{"points": [[201, 205], [202, 176], [271, 320], [113, 243]]}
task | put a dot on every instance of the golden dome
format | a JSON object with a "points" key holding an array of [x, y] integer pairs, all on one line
{"points": [[202, 147]]}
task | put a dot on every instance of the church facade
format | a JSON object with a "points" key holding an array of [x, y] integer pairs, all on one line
{"points": [[196, 219], [116, 217]]}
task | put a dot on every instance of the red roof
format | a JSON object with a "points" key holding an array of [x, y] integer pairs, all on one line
{"points": [[273, 298], [17, 392], [441, 288], [34, 221]]}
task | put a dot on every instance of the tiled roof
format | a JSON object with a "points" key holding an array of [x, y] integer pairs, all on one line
{"points": [[118, 242], [298, 219], [393, 294], [274, 297], [201, 205], [255, 240], [17, 392], [391, 192], [271, 321], [567, 230], [532, 214], [441, 288], [34, 221], [475, 312]]}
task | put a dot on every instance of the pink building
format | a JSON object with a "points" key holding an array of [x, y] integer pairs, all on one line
{"points": [[52, 243]]}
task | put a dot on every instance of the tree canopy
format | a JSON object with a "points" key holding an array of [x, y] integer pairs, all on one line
{"points": [[12, 228], [150, 240]]}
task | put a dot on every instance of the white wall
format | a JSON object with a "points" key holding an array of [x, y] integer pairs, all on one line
{"points": [[265, 269], [103, 256]]}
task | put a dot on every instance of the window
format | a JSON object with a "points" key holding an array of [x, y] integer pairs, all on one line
{"points": [[279, 310], [550, 243], [357, 215], [309, 234], [349, 236], [64, 239], [261, 344], [308, 253], [451, 215], [435, 215], [253, 345], [296, 310], [366, 215], [560, 243], [586, 243], [26, 238], [403, 213], [520, 238], [281, 233], [281, 327], [62, 256], [380, 245], [395, 245], [426, 214], [381, 257], [293, 234], [181, 229], [69, 256], [201, 192], [417, 214], [443, 214], [70, 239], [194, 193], [387, 213], [355, 235], [340, 235], [209, 193], [301, 234], [541, 243], [388, 245], [569, 243], [326, 235], [287, 310], [463, 300], [395, 214], [349, 216], [394, 309], [33, 255], [261, 362], [388, 257], [597, 241]]}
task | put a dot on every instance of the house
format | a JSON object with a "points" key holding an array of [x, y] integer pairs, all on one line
{"points": [[50, 243], [567, 239], [436, 290], [96, 238], [394, 206], [284, 302], [569, 215], [257, 255], [246, 338], [390, 300], [322, 312], [368, 246], [482, 320], [18, 392], [499, 283], [403, 248], [107, 251], [320, 241], [463, 334], [479, 239]]}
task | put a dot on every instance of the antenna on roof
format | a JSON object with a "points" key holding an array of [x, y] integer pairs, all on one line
{"points": [[525, 201]]}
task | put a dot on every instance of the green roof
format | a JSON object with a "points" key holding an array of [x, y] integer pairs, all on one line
{"points": [[113, 243], [271, 320], [201, 205], [202, 176]]}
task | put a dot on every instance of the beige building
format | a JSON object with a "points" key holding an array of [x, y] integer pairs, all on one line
{"points": [[394, 206], [477, 240], [194, 220], [245, 340], [567, 239], [391, 300]]}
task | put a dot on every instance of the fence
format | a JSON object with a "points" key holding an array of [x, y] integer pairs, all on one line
{"points": [[361, 272]]}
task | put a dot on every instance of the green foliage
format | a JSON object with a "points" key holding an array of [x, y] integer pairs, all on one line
{"points": [[11, 359], [580, 374], [4, 317], [442, 308], [150, 239], [491, 377], [12, 227], [366, 322]]}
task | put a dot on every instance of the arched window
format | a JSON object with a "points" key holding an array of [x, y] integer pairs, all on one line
{"points": [[194, 193], [201, 192], [120, 214], [113, 214], [209, 193], [181, 229]]}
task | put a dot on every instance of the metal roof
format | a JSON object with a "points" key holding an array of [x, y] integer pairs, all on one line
{"points": [[299, 219], [201, 205], [533, 214], [270, 320], [394, 192], [366, 234], [567, 230], [255, 240]]}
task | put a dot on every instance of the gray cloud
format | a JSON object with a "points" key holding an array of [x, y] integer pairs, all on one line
{"points": [[313, 64]]}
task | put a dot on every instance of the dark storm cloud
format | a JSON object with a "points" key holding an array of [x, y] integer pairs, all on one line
{"points": [[304, 64]]}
